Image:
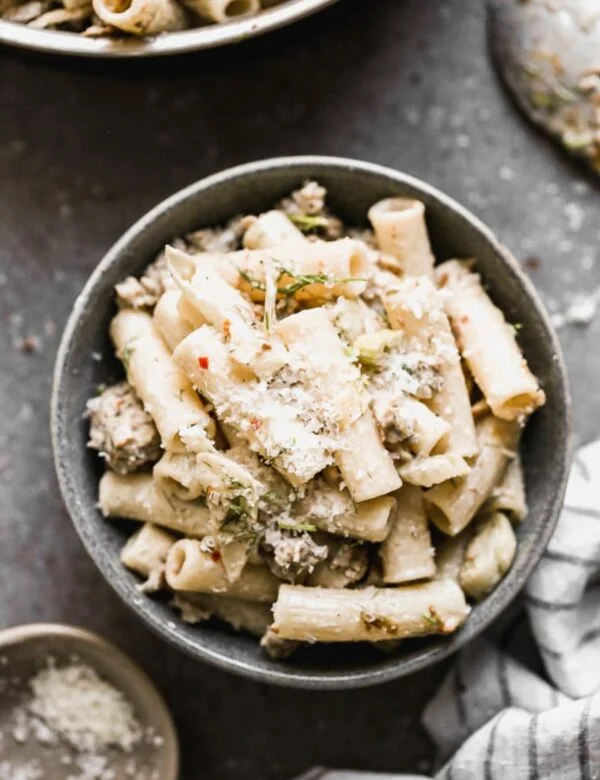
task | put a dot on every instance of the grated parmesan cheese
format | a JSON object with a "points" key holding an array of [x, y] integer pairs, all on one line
{"points": [[84, 710]]}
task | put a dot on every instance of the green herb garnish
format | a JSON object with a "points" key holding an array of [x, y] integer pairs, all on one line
{"points": [[306, 222], [286, 525]]}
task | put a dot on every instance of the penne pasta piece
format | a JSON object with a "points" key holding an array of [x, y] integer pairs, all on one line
{"points": [[268, 424], [489, 555], [509, 495], [163, 388], [322, 270], [145, 552], [331, 509], [189, 312], [142, 17], [189, 476], [366, 466], [407, 554], [434, 470], [228, 311], [369, 614], [318, 351], [169, 321], [273, 228], [452, 505], [452, 405], [450, 555], [135, 497], [190, 568], [426, 428], [401, 231], [502, 373], [223, 10], [415, 307], [250, 616]]}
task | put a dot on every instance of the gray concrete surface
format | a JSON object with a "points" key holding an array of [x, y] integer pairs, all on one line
{"points": [[87, 148]]}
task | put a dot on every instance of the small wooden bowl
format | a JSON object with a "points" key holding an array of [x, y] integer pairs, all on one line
{"points": [[24, 650]]}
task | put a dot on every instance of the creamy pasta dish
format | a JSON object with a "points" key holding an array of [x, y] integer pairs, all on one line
{"points": [[319, 430], [119, 18]]}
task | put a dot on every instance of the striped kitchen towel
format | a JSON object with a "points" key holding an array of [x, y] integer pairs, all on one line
{"points": [[495, 717]]}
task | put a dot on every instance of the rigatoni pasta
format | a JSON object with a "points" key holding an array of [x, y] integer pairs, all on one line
{"points": [[298, 415], [114, 19]]}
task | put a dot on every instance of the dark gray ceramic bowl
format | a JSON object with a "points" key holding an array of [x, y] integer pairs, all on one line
{"points": [[353, 186]]}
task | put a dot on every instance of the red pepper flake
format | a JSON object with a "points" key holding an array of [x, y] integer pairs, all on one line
{"points": [[532, 263], [216, 556], [203, 361], [255, 423]]}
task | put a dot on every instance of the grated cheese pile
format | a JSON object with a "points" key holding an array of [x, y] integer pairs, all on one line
{"points": [[85, 711]]}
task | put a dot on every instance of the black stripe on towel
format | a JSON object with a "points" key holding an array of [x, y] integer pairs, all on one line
{"points": [[533, 749], [583, 511], [491, 746], [583, 742], [576, 560], [459, 689], [549, 606]]}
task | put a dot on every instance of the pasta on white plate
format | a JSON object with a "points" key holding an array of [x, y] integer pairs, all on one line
{"points": [[133, 18], [315, 443]]}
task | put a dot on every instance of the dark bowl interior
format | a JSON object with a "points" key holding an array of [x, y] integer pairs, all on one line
{"points": [[353, 186]]}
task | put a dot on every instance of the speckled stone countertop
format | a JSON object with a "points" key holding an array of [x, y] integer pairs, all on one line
{"points": [[86, 148]]}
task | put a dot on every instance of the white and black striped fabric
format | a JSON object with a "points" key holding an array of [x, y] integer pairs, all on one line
{"points": [[494, 717]]}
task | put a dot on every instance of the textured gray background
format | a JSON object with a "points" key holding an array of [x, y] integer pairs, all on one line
{"points": [[86, 148]]}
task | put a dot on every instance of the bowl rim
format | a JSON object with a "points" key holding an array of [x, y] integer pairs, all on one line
{"points": [[497, 601], [112, 657], [181, 42]]}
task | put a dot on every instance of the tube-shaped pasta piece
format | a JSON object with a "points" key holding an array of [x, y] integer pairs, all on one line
{"points": [[401, 231], [415, 307], [273, 228], [369, 614], [163, 388], [189, 476], [509, 496], [297, 453], [331, 509], [228, 311], [136, 497], [320, 270], [427, 429], [452, 404], [434, 470], [145, 552], [407, 554], [168, 319], [190, 568], [223, 10], [142, 17], [450, 555], [452, 505], [489, 555], [366, 466], [314, 344], [501, 372], [250, 616], [189, 312]]}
